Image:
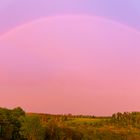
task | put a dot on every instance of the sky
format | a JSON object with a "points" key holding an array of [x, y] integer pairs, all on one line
{"points": [[14, 12], [79, 57]]}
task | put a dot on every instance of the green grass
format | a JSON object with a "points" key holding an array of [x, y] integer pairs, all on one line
{"points": [[84, 121]]}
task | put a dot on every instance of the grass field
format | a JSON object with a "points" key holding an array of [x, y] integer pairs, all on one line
{"points": [[80, 121]]}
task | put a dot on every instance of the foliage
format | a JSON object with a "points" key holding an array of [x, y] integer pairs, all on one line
{"points": [[32, 128], [15, 124], [10, 123]]}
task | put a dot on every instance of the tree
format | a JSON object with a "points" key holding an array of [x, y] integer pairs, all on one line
{"points": [[32, 128], [18, 111]]}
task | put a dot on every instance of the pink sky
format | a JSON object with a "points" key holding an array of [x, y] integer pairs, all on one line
{"points": [[71, 64]]}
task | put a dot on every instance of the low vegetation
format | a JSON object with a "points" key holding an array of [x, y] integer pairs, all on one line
{"points": [[15, 124]]}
